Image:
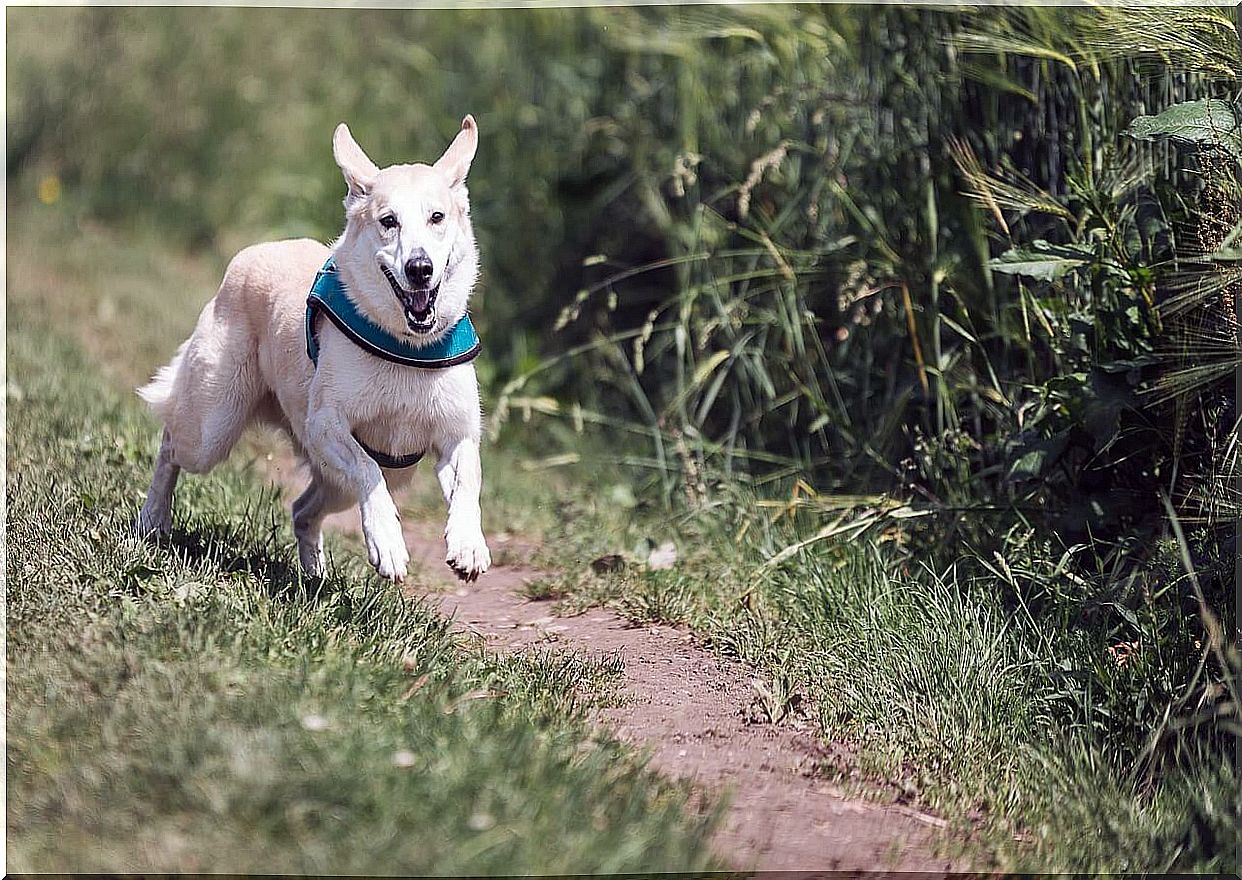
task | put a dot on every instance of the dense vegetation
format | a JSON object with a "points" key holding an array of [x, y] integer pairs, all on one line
{"points": [[962, 283]]}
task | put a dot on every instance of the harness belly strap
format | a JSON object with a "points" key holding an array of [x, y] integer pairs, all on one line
{"points": [[328, 297], [383, 459]]}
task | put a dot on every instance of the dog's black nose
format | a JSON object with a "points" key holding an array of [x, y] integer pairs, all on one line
{"points": [[418, 268]]}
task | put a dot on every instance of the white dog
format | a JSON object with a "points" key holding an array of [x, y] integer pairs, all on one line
{"points": [[374, 375]]}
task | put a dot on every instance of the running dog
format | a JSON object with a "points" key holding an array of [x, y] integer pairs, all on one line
{"points": [[361, 352]]}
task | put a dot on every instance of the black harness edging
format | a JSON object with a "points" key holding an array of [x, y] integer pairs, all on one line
{"points": [[384, 460]]}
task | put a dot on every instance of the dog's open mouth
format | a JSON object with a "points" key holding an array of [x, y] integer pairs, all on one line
{"points": [[419, 305]]}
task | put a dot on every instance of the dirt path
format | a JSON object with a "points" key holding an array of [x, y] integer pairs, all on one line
{"points": [[688, 707]]}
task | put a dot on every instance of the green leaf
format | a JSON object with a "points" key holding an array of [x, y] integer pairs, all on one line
{"points": [[1029, 466], [1044, 261], [1210, 122], [1038, 456], [959, 329]]}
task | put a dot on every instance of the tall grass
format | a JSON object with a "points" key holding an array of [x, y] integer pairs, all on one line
{"points": [[837, 308], [980, 304]]}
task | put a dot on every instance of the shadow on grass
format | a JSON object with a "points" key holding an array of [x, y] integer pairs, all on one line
{"points": [[232, 549]]}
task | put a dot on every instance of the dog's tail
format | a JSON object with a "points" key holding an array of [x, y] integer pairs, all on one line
{"points": [[158, 392]]}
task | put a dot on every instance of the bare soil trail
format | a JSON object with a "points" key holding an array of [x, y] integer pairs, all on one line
{"points": [[687, 708]]}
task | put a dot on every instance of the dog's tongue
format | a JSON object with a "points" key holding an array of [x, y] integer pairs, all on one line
{"points": [[420, 301]]}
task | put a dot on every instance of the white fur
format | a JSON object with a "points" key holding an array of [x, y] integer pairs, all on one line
{"points": [[246, 362]]}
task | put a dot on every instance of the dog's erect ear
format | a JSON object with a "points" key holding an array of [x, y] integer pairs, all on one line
{"points": [[455, 163], [357, 167]]}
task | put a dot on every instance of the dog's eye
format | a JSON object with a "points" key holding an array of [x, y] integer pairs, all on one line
{"points": [[389, 221], [437, 216]]}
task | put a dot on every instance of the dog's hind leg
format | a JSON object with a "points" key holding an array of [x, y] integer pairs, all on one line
{"points": [[213, 406], [205, 397], [156, 514], [208, 393], [309, 510]]}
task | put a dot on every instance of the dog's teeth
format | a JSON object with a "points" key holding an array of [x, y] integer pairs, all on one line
{"points": [[417, 322]]}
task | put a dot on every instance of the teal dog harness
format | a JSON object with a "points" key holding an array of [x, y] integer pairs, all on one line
{"points": [[327, 296]]}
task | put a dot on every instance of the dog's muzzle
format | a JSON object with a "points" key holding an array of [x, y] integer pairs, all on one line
{"points": [[418, 305]]}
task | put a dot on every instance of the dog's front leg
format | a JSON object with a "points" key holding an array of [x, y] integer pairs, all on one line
{"points": [[342, 461], [461, 478]]}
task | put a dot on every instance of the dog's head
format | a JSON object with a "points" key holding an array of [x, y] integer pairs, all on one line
{"points": [[408, 255]]}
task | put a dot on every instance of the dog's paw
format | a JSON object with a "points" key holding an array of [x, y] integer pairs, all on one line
{"points": [[310, 555], [152, 524], [468, 556], [388, 554], [385, 544]]}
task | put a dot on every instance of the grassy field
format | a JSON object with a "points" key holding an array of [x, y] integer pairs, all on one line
{"points": [[194, 707], [199, 693]]}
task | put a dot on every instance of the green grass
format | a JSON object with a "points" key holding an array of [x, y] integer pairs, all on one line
{"points": [[1012, 722], [196, 707], [171, 685]]}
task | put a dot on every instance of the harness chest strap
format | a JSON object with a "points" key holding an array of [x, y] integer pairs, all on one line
{"points": [[328, 297]]}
